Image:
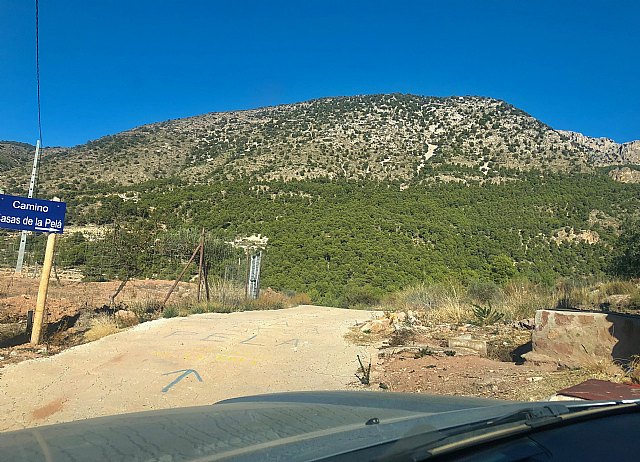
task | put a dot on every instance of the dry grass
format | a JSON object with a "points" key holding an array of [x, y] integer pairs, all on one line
{"points": [[633, 369], [438, 303], [227, 292], [357, 337], [450, 302], [268, 300], [5, 286], [570, 294], [451, 311], [300, 299], [522, 299], [420, 297], [603, 369], [101, 326], [555, 381], [618, 287], [581, 294]]}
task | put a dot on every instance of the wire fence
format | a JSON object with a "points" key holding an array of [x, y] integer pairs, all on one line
{"points": [[114, 253]]}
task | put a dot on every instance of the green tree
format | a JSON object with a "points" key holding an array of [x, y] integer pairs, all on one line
{"points": [[627, 262], [129, 250], [502, 268]]}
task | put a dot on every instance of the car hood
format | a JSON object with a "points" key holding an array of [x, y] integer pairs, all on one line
{"points": [[289, 426]]}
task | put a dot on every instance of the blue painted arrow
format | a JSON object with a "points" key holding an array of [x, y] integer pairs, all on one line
{"points": [[185, 372]]}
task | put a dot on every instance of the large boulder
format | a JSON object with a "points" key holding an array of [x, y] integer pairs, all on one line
{"points": [[576, 338]]}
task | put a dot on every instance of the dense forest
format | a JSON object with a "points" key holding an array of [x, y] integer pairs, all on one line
{"points": [[333, 238]]}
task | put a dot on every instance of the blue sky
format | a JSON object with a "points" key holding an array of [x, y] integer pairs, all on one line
{"points": [[110, 65]]}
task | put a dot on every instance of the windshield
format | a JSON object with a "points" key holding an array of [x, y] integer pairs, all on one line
{"points": [[207, 202]]}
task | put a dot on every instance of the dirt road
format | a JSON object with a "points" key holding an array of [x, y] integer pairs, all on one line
{"points": [[183, 362]]}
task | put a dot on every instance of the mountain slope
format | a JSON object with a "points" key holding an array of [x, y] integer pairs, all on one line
{"points": [[376, 137], [332, 238], [13, 154]]}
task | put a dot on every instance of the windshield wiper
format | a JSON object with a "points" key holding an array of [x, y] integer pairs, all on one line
{"points": [[534, 416], [424, 445]]}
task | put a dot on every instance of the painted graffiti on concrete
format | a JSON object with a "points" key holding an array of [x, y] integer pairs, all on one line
{"points": [[185, 373]]}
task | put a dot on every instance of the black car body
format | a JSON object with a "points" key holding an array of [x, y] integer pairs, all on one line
{"points": [[343, 426]]}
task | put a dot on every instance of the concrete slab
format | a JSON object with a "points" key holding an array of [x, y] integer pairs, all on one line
{"points": [[189, 361], [479, 346]]}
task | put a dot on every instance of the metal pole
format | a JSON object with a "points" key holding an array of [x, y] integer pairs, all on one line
{"points": [[246, 281], [36, 332], [32, 186], [257, 274], [201, 263]]}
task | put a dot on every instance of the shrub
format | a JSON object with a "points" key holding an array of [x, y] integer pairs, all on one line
{"points": [[633, 369], [101, 326], [482, 292], [486, 315], [402, 337], [214, 306], [199, 309], [146, 310], [170, 311], [365, 295]]}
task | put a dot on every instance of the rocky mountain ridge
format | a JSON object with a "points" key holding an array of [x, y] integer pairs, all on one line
{"points": [[394, 136]]}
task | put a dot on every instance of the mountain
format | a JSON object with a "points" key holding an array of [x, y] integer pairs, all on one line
{"points": [[14, 154], [464, 188], [395, 136]]}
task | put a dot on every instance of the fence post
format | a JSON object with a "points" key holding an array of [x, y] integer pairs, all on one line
{"points": [[36, 332]]}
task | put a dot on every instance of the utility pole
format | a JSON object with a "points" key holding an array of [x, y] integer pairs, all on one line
{"points": [[32, 187]]}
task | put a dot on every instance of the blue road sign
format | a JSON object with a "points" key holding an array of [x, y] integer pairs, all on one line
{"points": [[26, 214]]}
